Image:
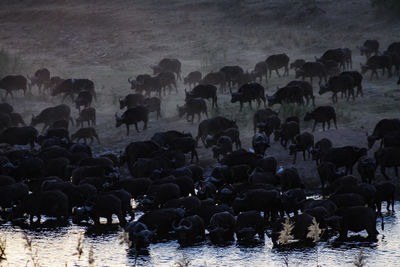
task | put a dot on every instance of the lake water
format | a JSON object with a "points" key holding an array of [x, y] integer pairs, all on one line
{"points": [[57, 246]]}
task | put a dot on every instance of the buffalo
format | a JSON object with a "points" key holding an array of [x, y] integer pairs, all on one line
{"points": [[133, 116]]}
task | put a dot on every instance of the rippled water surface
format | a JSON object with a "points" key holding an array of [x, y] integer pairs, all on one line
{"points": [[58, 247]]}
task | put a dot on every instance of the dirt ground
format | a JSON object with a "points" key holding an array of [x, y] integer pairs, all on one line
{"points": [[109, 41]]}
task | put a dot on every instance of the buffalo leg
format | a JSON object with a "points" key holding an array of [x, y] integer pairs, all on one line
{"points": [[396, 171], [250, 105], [277, 72], [294, 157], [199, 115], [241, 105], [304, 155], [315, 124], [136, 126], [98, 139], [329, 124], [323, 126], [127, 130]]}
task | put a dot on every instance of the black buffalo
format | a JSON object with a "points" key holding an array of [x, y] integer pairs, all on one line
{"points": [[131, 101], [205, 91], [383, 127], [12, 83], [312, 69], [71, 87], [377, 62], [275, 62], [213, 126], [247, 93], [369, 47], [321, 115], [168, 64], [133, 116], [50, 115], [192, 78]]}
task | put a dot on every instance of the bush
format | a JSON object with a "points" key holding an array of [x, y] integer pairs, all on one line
{"points": [[392, 6], [9, 64]]}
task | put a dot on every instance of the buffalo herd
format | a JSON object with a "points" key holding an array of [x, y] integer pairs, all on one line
{"points": [[245, 195]]}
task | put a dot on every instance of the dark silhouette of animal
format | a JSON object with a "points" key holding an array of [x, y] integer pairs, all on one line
{"points": [[298, 63], [19, 136], [167, 81], [247, 93], [241, 157], [398, 82], [327, 172], [312, 69], [321, 115], [232, 133], [275, 62], [41, 79], [342, 83], [357, 80], [184, 144], [85, 133], [248, 224], [232, 74], [213, 126], [377, 62], [388, 157], [385, 192], [53, 203], [6, 108], [192, 78], [147, 84], [189, 229], [49, 115], [287, 132], [302, 142], [191, 107], [345, 156], [366, 168], [153, 104], [394, 48], [391, 139], [204, 91], [133, 116], [354, 219], [260, 143], [84, 99], [161, 220], [260, 70], [70, 87], [300, 230], [338, 55], [307, 89], [320, 149], [131, 101], [383, 127], [168, 64], [369, 47], [222, 227], [16, 119], [269, 125], [13, 83], [86, 115], [105, 205], [261, 116], [287, 94], [214, 78], [222, 147]]}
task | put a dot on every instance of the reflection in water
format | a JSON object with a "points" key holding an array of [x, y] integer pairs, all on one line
{"points": [[56, 246]]}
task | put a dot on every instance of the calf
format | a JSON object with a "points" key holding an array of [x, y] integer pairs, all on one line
{"points": [[287, 132], [131, 101], [213, 126], [377, 62], [193, 106], [85, 133], [88, 115], [84, 99], [133, 116], [275, 62], [222, 147], [260, 143], [312, 69], [302, 142], [204, 91], [342, 83], [345, 156], [388, 157], [321, 115], [193, 78], [247, 93], [153, 104]]}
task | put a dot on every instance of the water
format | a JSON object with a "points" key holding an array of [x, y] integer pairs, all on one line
{"points": [[57, 246]]}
